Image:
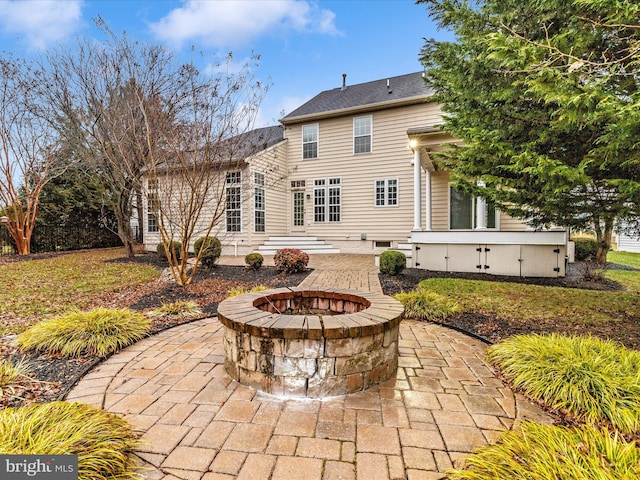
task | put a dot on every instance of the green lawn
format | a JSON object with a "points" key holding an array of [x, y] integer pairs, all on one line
{"points": [[32, 289], [526, 303]]}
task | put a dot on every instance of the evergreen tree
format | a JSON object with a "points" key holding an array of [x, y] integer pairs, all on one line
{"points": [[544, 95]]}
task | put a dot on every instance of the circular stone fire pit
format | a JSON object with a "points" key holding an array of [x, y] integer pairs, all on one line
{"points": [[310, 343]]}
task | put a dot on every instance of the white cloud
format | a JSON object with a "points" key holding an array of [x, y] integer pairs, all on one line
{"points": [[40, 21], [232, 23]]}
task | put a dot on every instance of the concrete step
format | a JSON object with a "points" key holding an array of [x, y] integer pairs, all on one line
{"points": [[310, 245], [271, 251], [294, 242], [300, 238]]}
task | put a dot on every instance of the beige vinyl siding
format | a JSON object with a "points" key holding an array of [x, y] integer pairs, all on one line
{"points": [[510, 224], [440, 200], [273, 164], [627, 243], [169, 192], [390, 159]]}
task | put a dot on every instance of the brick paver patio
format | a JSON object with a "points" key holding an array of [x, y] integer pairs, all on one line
{"points": [[198, 424]]}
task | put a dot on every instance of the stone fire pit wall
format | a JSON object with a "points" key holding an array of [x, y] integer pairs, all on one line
{"points": [[311, 343]]}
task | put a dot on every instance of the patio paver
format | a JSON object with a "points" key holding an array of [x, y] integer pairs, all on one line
{"points": [[201, 425]]}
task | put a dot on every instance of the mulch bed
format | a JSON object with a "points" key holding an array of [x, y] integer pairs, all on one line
{"points": [[492, 329], [53, 376]]}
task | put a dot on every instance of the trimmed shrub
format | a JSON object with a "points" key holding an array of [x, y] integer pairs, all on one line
{"points": [[98, 332], [175, 246], [254, 260], [291, 260], [586, 248], [212, 250], [422, 304], [392, 262], [539, 452], [101, 439], [595, 380]]}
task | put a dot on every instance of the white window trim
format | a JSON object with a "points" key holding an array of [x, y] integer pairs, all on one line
{"points": [[386, 192], [473, 215], [151, 192], [326, 187], [317, 125], [262, 187], [353, 135], [226, 186]]}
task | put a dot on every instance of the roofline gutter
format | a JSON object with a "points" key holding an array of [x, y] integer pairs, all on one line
{"points": [[370, 107]]}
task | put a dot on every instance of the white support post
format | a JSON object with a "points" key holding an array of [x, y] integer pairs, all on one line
{"points": [[427, 196], [417, 191], [481, 211]]}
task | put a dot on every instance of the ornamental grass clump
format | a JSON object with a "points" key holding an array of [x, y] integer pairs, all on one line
{"points": [[234, 292], [421, 304], [596, 380], [180, 308], [101, 439], [11, 374], [542, 452], [98, 332]]}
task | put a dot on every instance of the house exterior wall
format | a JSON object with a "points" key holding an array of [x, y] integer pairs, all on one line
{"points": [[390, 158], [628, 244], [272, 164]]}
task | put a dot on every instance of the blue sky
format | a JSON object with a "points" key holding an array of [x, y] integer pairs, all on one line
{"points": [[304, 45]]}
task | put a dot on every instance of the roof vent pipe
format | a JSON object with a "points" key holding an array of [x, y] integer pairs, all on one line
{"points": [[344, 81]]}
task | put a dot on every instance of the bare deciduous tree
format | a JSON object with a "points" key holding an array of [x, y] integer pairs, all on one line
{"points": [[96, 88], [195, 175], [29, 148], [148, 119]]}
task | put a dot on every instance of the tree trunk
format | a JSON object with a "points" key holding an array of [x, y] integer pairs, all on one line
{"points": [[604, 242], [125, 233], [140, 211], [122, 210]]}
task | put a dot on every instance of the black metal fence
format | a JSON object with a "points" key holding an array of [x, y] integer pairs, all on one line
{"points": [[47, 238]]}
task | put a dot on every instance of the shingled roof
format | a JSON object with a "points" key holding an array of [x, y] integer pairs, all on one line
{"points": [[400, 90]]}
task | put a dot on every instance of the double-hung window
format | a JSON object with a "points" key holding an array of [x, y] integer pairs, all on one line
{"points": [[362, 134], [327, 200], [258, 202], [310, 141], [386, 193], [234, 201], [153, 206]]}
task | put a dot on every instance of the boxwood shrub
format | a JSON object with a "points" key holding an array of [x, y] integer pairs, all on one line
{"points": [[175, 246], [586, 248], [212, 250], [254, 260], [392, 262]]}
